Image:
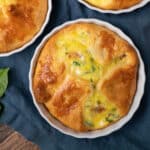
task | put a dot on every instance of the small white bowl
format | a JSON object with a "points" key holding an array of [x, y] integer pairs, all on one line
{"points": [[98, 133], [127, 10], [35, 37]]}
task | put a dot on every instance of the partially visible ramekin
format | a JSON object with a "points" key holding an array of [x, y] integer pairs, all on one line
{"points": [[98, 133], [35, 36], [127, 10]]}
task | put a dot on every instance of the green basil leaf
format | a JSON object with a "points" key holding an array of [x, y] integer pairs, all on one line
{"points": [[3, 80]]}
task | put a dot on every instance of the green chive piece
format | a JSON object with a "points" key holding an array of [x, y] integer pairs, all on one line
{"points": [[76, 63], [112, 117], [93, 68], [88, 123]]}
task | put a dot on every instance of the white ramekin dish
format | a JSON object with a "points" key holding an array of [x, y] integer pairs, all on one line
{"points": [[127, 10], [98, 133], [35, 36]]}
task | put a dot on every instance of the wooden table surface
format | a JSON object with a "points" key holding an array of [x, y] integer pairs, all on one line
{"points": [[12, 140]]}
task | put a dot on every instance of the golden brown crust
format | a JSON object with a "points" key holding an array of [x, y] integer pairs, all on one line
{"points": [[20, 20], [122, 84], [60, 84], [69, 98], [113, 4]]}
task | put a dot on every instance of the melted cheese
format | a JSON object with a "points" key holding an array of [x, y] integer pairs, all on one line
{"points": [[7, 2], [98, 111], [101, 2], [73, 49], [73, 72], [113, 4], [4, 4], [20, 20], [79, 60]]}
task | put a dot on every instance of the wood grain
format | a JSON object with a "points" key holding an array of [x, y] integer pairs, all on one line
{"points": [[12, 140]]}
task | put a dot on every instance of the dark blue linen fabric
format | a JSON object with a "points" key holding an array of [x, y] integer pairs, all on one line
{"points": [[21, 114]]}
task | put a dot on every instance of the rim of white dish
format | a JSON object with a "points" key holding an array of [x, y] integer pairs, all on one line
{"points": [[127, 10], [102, 132], [17, 50]]}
